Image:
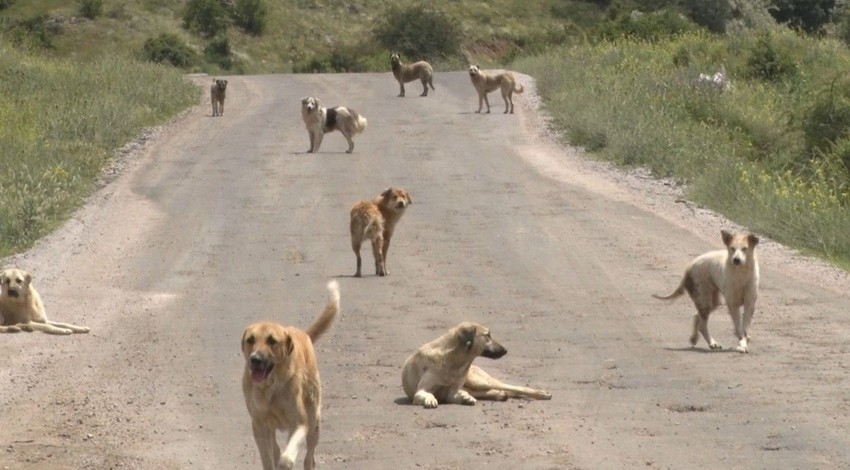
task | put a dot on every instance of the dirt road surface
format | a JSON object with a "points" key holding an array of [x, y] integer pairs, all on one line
{"points": [[218, 222]]}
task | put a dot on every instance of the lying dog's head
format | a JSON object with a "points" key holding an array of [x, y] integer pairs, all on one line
{"points": [[474, 71], [475, 339], [265, 346], [396, 199], [221, 85], [309, 104], [741, 247], [15, 284]]}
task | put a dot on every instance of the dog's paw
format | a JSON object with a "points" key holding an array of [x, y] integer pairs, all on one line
{"points": [[430, 402], [85, 329], [286, 462], [716, 346], [466, 399], [742, 347]]}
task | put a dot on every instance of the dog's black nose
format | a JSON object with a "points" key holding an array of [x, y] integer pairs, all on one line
{"points": [[255, 360], [736, 260]]}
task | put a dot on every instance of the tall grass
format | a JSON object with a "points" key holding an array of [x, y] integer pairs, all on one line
{"points": [[60, 122], [746, 151]]}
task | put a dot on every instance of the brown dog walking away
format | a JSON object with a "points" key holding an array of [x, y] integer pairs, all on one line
{"points": [[404, 73], [485, 83], [442, 372], [376, 220], [21, 308], [217, 95], [732, 273], [282, 387]]}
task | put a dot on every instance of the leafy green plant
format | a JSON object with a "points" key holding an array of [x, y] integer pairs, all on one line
{"points": [[419, 32], [250, 15], [90, 9], [217, 51], [169, 48], [769, 61], [207, 18]]}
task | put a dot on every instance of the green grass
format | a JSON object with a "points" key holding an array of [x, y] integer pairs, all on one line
{"points": [[60, 122], [743, 152]]}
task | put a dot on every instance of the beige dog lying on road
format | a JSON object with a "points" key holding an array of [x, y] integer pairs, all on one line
{"points": [[404, 73], [376, 220], [282, 387], [733, 273], [21, 308], [485, 83], [442, 372]]}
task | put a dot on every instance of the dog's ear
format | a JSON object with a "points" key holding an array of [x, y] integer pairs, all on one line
{"points": [[27, 279], [409, 199], [753, 239], [727, 237], [466, 335], [288, 344], [387, 192]]}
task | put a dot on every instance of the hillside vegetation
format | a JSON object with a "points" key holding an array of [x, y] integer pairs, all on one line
{"points": [[621, 78]]}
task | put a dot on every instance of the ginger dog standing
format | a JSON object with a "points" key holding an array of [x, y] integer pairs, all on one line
{"points": [[404, 73], [733, 273], [485, 83], [376, 220]]}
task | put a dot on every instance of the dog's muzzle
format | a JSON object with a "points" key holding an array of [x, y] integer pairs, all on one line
{"points": [[13, 293], [494, 351], [260, 368]]}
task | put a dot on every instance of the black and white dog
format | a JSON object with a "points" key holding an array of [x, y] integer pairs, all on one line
{"points": [[319, 120]]}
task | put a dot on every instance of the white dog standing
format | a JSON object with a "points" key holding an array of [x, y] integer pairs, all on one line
{"points": [[320, 120], [733, 273]]}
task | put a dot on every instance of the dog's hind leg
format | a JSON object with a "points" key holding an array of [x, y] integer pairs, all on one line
{"points": [[424, 81], [68, 326], [350, 142], [701, 324], [356, 241], [378, 253], [482, 385]]}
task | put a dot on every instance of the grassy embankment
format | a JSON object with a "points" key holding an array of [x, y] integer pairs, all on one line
{"points": [[61, 122], [771, 153]]}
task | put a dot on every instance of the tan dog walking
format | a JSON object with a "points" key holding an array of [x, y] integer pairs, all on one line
{"points": [[217, 95], [282, 388], [732, 273]]}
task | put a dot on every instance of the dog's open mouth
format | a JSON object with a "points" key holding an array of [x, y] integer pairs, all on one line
{"points": [[13, 293], [260, 372]]}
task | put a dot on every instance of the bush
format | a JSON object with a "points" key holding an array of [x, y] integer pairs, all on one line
{"points": [[207, 18], [90, 9], [217, 51], [6, 4], [169, 48], [769, 62], [807, 15], [711, 14], [250, 15], [32, 34], [646, 26], [827, 120], [418, 33]]}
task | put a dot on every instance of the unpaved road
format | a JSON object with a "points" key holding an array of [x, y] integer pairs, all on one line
{"points": [[221, 222]]}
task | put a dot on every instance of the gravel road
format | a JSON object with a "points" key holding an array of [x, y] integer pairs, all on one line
{"points": [[214, 223]]}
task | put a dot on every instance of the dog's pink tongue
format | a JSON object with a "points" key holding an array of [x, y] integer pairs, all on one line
{"points": [[258, 375]]}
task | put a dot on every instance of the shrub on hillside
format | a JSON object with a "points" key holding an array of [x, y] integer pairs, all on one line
{"points": [[827, 120], [169, 48], [647, 26], [711, 14], [418, 32], [6, 4], [90, 9], [250, 15], [807, 15], [217, 51], [32, 34], [207, 18], [768, 60]]}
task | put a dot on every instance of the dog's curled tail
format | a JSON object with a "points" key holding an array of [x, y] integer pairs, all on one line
{"points": [[360, 120], [518, 90], [321, 325], [676, 293]]}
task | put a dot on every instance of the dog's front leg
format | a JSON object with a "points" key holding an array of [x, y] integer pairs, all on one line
{"points": [[267, 445], [461, 397], [480, 102], [749, 311], [401, 88], [318, 141], [293, 443], [735, 314], [312, 141]]}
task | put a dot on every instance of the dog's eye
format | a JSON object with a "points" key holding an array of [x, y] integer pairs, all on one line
{"points": [[744, 249], [250, 340], [271, 341]]}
